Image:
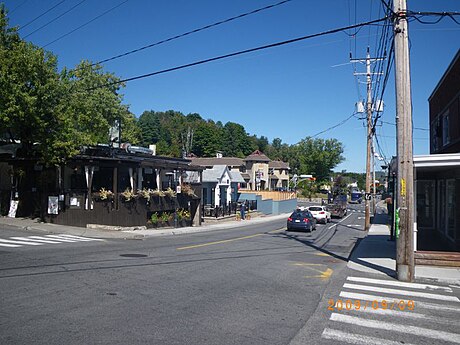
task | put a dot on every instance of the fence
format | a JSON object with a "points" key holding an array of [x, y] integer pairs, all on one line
{"points": [[273, 195]]}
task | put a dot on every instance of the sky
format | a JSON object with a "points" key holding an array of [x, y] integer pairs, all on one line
{"points": [[289, 92]]}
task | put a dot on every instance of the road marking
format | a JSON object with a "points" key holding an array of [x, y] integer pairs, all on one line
{"points": [[401, 292], [80, 238], [356, 339], [397, 283], [9, 245], [218, 242], [340, 221], [21, 242], [322, 254], [62, 239], [394, 327], [425, 305], [408, 314], [323, 274], [275, 231], [34, 239]]}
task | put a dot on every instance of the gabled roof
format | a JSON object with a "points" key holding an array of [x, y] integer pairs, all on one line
{"points": [[257, 156], [278, 165], [212, 161], [235, 176], [214, 174]]}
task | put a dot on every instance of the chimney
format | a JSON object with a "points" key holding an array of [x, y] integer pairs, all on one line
{"points": [[153, 147], [219, 154]]}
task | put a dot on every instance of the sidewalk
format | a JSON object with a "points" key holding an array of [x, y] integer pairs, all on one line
{"points": [[28, 224], [377, 254]]}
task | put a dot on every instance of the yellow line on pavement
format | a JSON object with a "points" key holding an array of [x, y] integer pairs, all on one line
{"points": [[218, 242]]}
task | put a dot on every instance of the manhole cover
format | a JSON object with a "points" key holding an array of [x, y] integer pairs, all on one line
{"points": [[134, 255], [111, 293]]}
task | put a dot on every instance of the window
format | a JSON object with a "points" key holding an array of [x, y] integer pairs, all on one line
{"points": [[445, 129], [450, 209]]}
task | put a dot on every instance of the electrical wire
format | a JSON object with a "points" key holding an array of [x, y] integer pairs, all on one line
{"points": [[14, 9], [191, 32], [83, 25], [41, 15], [54, 19], [241, 52], [394, 124], [335, 126]]}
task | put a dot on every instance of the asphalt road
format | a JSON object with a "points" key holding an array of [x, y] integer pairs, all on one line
{"points": [[252, 285]]}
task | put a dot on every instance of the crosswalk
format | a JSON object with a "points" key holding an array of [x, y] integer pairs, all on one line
{"points": [[17, 241], [389, 312]]}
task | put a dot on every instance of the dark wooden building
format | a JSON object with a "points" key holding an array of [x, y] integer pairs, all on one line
{"points": [[104, 185]]}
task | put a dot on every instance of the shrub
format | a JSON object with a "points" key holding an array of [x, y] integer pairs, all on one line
{"points": [[128, 194]]}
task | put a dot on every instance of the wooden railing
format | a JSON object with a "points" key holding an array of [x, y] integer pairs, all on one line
{"points": [[277, 196]]}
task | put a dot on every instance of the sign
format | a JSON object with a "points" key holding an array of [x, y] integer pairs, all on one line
{"points": [[178, 189], [13, 208], [368, 196], [53, 203], [403, 187]]}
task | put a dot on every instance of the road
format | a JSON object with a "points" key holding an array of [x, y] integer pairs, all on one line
{"points": [[253, 285]]}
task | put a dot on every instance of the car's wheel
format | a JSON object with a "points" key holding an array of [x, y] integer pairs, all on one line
{"points": [[325, 221]]}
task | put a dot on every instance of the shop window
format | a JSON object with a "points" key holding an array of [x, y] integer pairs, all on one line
{"points": [[450, 209]]}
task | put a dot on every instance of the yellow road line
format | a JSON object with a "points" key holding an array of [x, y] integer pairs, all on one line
{"points": [[218, 242]]}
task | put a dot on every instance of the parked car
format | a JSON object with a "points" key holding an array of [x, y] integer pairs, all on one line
{"points": [[321, 214], [301, 220]]}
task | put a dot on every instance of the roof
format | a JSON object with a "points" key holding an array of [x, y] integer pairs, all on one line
{"points": [[245, 176], [451, 65], [212, 161], [437, 160], [214, 174], [278, 165], [257, 156], [235, 176]]}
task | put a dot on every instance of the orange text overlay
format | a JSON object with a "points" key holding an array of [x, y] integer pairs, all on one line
{"points": [[348, 304]]}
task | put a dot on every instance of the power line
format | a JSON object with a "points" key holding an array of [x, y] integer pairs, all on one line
{"points": [[394, 124], [88, 22], [335, 126], [241, 52], [41, 15], [54, 19], [190, 32], [14, 9]]}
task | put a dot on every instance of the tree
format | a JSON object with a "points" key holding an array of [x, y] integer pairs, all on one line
{"points": [[236, 141], [54, 114], [317, 156], [207, 139]]}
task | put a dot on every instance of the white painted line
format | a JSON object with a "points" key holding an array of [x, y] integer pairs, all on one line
{"points": [[401, 292], [9, 245], [39, 240], [397, 283], [21, 242], [80, 238], [418, 304], [395, 327], [61, 239], [356, 339], [405, 314]]}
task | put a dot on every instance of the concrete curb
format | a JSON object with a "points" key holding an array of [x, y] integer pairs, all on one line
{"points": [[125, 232]]}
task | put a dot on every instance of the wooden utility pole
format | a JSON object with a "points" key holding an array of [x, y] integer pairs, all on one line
{"points": [[405, 267], [368, 60]]}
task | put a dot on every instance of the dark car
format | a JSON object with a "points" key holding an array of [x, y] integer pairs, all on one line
{"points": [[301, 220]]}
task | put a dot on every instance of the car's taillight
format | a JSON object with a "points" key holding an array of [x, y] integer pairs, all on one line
{"points": [[322, 212], [289, 219], [306, 220]]}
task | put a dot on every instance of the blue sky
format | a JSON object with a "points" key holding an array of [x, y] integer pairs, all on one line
{"points": [[290, 92]]}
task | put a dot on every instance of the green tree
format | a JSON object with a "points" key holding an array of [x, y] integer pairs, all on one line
{"points": [[317, 156], [207, 139], [236, 141]]}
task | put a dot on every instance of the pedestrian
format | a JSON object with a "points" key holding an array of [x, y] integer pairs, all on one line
{"points": [[243, 210]]}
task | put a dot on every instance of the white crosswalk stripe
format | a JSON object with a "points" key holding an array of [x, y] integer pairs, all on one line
{"points": [[18, 241], [434, 315]]}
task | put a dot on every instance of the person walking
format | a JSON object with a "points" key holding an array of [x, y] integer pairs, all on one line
{"points": [[243, 210]]}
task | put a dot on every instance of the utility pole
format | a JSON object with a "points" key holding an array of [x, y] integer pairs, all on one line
{"points": [[368, 60], [405, 267]]}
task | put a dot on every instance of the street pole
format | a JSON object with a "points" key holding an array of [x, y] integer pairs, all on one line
{"points": [[368, 60], [373, 178], [405, 267], [367, 221]]}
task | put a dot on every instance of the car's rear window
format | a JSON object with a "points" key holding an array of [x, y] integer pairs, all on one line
{"points": [[315, 208]]}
